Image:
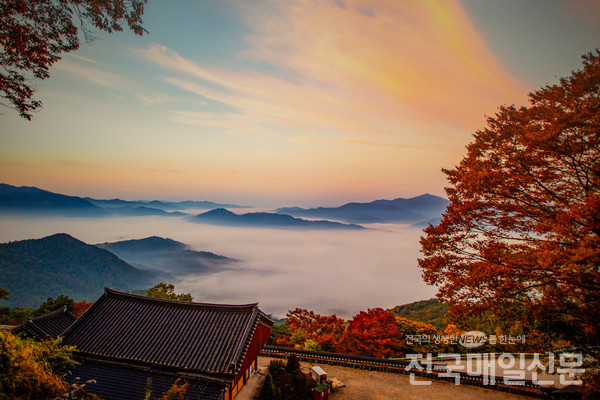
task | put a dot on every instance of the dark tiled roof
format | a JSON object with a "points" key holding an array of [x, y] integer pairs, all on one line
{"points": [[122, 382], [50, 325], [193, 337]]}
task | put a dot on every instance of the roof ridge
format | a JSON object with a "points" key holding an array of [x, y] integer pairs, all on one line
{"points": [[148, 366], [246, 338], [36, 326], [111, 293], [51, 314], [193, 337]]}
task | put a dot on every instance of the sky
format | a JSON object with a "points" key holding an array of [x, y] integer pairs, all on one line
{"points": [[273, 103]]}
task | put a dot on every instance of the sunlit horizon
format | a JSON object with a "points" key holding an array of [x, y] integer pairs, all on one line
{"points": [[295, 103]]}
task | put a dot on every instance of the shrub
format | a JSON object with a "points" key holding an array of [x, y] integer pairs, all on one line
{"points": [[31, 370]]}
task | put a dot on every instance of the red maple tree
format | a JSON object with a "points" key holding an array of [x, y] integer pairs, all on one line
{"points": [[372, 333], [522, 231], [324, 330], [33, 34], [79, 307]]}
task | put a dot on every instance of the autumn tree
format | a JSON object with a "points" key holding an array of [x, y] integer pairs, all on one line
{"points": [[280, 336], [32, 370], [79, 307], [423, 335], [307, 327], [176, 391], [372, 333], [34, 34], [522, 231], [167, 291]]}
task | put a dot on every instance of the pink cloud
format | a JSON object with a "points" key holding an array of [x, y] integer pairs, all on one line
{"points": [[365, 67]]}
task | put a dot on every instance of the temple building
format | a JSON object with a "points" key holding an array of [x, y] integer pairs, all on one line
{"points": [[128, 344], [47, 326]]}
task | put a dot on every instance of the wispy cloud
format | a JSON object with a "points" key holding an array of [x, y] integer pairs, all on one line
{"points": [[92, 74], [82, 58], [153, 99], [397, 60], [365, 67], [353, 141], [228, 121], [376, 144]]}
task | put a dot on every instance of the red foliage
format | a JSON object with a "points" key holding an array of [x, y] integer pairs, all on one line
{"points": [[325, 330], [80, 307], [522, 231], [372, 333], [33, 34], [284, 340]]}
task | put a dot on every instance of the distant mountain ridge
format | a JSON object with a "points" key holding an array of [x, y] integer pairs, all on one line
{"points": [[418, 211], [162, 205], [413, 210], [221, 216], [34, 201], [35, 269], [28, 199], [166, 257]]}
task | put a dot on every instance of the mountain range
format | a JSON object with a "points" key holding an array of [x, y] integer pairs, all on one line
{"points": [[221, 216], [165, 257], [161, 205], [34, 201], [31, 200], [35, 269], [416, 210], [419, 211]]}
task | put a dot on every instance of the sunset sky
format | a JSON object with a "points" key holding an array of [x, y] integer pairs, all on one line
{"points": [[273, 103]]}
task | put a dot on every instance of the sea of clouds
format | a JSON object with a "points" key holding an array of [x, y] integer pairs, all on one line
{"points": [[328, 271]]}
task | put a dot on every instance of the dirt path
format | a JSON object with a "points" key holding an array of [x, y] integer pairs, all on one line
{"points": [[373, 385]]}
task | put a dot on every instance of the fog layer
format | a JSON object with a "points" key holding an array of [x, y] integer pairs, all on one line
{"points": [[329, 271]]}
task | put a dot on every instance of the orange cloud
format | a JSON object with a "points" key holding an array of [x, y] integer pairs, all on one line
{"points": [[362, 89], [363, 66], [396, 60]]}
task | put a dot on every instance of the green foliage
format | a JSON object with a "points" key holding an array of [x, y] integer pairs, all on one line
{"points": [[292, 364], [288, 383], [276, 364], [56, 356], [429, 311], [268, 389], [31, 370], [167, 291], [278, 331], [18, 315], [298, 337], [148, 390], [15, 316], [51, 305], [311, 345]]}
